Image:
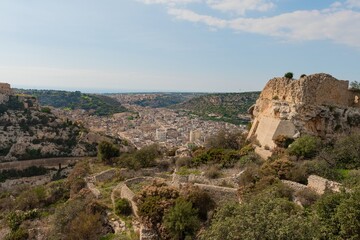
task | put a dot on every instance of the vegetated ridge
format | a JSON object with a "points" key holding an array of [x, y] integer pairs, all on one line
{"points": [[29, 131], [154, 100], [100, 105], [229, 107]]}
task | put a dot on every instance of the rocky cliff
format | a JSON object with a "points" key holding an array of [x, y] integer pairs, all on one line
{"points": [[28, 131], [317, 104]]}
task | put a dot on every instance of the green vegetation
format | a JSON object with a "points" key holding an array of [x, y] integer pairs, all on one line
{"points": [[165, 100], [289, 75], [305, 146], [123, 207], [107, 151], [145, 157], [13, 104], [27, 172], [173, 214], [355, 85], [228, 107], [97, 104], [182, 220]]}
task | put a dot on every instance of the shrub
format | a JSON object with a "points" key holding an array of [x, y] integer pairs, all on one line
{"points": [[280, 167], [226, 140], [107, 151], [163, 165], [303, 75], [154, 200], [305, 146], [289, 75], [183, 162], [46, 110], [81, 218], [147, 155], [249, 159], [200, 200], [123, 207], [213, 172], [223, 157], [283, 141], [306, 197], [262, 218], [181, 221], [85, 226], [19, 234], [347, 151], [32, 198]]}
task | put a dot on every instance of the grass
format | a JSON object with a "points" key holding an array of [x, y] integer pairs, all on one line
{"points": [[98, 166], [137, 187], [344, 173]]}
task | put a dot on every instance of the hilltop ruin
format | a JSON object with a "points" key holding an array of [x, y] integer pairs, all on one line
{"points": [[318, 105]]}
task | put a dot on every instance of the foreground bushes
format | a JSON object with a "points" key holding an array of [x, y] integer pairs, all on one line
{"points": [[173, 214]]}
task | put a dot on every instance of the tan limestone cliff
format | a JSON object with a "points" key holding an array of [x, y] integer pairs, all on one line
{"points": [[317, 104]]}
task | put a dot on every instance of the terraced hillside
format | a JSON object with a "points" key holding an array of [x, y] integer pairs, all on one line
{"points": [[229, 107]]}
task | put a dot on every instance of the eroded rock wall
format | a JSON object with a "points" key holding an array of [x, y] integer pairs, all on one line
{"points": [[318, 105]]}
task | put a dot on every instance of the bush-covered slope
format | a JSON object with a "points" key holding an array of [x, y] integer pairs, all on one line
{"points": [[97, 104], [30, 132], [230, 107]]}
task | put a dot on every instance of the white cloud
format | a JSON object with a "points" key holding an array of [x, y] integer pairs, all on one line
{"points": [[353, 3], [184, 14], [168, 2], [339, 23], [240, 6]]}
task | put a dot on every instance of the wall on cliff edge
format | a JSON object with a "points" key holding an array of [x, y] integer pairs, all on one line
{"points": [[317, 104]]}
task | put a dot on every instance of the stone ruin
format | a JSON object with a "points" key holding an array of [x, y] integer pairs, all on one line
{"points": [[5, 91], [5, 88], [318, 105]]}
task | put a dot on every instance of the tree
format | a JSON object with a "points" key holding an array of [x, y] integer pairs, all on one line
{"points": [[261, 218], [181, 221], [147, 155], [289, 75], [355, 85], [107, 151], [226, 140]]}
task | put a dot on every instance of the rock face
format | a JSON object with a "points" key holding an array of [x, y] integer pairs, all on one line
{"points": [[317, 104]]}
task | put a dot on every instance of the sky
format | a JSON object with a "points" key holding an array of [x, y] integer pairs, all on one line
{"points": [[175, 45]]}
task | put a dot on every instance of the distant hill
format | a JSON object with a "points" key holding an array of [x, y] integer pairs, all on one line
{"points": [[154, 100], [96, 104], [229, 107]]}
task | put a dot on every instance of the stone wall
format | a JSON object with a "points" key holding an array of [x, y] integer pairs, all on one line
{"points": [[105, 175], [316, 89], [294, 185], [127, 193], [220, 194], [315, 183], [320, 185]]}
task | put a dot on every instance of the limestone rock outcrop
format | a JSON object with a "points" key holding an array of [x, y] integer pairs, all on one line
{"points": [[317, 104]]}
